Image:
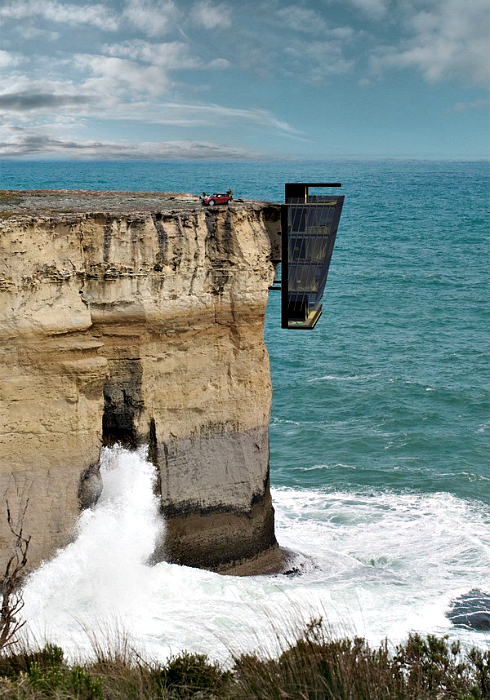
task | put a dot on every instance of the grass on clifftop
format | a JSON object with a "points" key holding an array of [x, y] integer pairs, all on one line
{"points": [[312, 668]]}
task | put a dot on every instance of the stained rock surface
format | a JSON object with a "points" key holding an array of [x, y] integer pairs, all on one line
{"points": [[137, 318]]}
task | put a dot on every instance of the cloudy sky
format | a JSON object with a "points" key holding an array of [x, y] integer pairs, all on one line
{"points": [[211, 79]]}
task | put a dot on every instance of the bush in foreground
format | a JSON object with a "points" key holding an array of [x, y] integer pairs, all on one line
{"points": [[313, 668]]}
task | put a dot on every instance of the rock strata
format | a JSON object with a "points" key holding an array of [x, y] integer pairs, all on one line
{"points": [[137, 319]]}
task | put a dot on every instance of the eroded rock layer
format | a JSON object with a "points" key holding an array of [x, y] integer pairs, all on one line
{"points": [[141, 325]]}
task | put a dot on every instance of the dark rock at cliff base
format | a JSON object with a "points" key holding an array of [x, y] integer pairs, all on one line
{"points": [[471, 610], [296, 564], [90, 486]]}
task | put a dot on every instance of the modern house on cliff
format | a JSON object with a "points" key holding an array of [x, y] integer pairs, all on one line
{"points": [[309, 227]]}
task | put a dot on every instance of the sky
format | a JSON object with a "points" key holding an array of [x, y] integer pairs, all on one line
{"points": [[309, 79]]}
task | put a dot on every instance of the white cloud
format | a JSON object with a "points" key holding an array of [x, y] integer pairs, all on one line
{"points": [[301, 19], [9, 59], [449, 40], [318, 60], [198, 115], [52, 11], [116, 76], [372, 8], [26, 84], [30, 33], [220, 63], [152, 17], [212, 114], [209, 16], [341, 33], [297, 42], [476, 105], [172, 55]]}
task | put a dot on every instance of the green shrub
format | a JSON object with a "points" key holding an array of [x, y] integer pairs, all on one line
{"points": [[84, 685], [190, 674], [46, 674], [481, 665], [73, 682], [12, 664]]}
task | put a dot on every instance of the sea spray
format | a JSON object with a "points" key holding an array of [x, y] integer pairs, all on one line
{"points": [[93, 581], [374, 563], [103, 584]]}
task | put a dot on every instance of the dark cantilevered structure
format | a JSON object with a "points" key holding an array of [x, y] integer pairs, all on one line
{"points": [[309, 226]]}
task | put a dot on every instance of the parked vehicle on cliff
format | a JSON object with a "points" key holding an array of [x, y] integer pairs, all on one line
{"points": [[210, 200]]}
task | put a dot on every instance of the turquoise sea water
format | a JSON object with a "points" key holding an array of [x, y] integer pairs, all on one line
{"points": [[380, 429]]}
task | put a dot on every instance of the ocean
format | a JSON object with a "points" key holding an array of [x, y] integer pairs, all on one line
{"points": [[379, 431]]}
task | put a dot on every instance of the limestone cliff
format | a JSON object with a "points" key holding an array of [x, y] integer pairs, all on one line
{"points": [[137, 318]]}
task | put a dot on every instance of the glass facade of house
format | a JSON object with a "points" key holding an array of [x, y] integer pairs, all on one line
{"points": [[309, 228]]}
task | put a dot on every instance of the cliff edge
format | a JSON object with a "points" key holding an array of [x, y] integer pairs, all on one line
{"points": [[137, 318]]}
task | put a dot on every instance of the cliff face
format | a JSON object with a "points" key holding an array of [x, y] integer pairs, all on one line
{"points": [[141, 325]]}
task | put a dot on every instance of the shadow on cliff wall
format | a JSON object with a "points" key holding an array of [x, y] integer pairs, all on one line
{"points": [[123, 403]]}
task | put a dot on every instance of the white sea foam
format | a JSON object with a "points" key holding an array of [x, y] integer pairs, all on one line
{"points": [[284, 421], [373, 563], [392, 561], [342, 378], [326, 467]]}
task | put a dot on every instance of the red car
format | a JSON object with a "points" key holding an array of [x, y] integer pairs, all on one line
{"points": [[212, 199]]}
